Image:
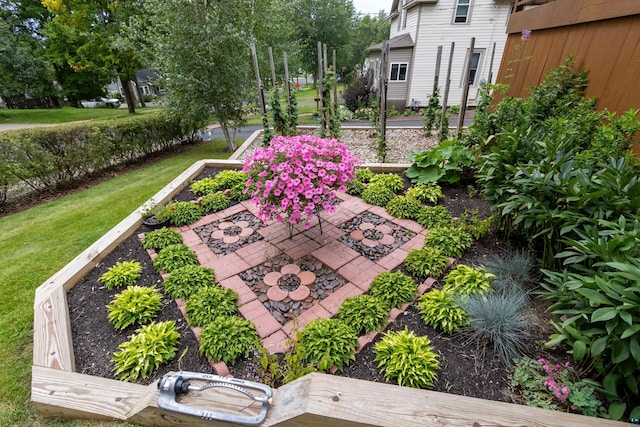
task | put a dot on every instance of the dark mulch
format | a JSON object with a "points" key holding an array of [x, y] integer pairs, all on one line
{"points": [[464, 370]]}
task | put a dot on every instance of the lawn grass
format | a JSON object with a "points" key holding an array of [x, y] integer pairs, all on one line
{"points": [[38, 242], [65, 114]]}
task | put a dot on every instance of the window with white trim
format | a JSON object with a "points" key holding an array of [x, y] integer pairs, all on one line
{"points": [[475, 68], [461, 11], [399, 71]]}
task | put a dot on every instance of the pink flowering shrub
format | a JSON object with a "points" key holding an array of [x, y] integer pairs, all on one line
{"points": [[296, 177]]}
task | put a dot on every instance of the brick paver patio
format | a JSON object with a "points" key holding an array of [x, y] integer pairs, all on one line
{"points": [[325, 247]]}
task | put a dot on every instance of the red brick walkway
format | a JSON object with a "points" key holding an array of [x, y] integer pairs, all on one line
{"points": [[356, 269]]}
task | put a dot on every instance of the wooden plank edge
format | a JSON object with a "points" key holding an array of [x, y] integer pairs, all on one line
{"points": [[62, 394], [52, 340], [314, 400]]}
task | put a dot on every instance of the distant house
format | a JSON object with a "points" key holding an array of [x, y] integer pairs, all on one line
{"points": [[418, 27], [146, 82]]}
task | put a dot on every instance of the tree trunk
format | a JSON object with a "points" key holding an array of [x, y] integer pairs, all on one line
{"points": [[231, 143], [128, 96], [140, 96]]}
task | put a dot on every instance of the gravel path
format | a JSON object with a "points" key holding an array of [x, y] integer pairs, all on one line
{"points": [[362, 142]]}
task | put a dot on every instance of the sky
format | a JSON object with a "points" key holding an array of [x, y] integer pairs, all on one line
{"points": [[372, 6]]}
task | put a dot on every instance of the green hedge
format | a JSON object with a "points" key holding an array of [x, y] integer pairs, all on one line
{"points": [[48, 157]]}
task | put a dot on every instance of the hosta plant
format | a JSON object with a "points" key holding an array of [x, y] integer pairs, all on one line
{"points": [[393, 288], [184, 213], [227, 338], [328, 343], [214, 202], [173, 257], [364, 313], [240, 192], [151, 346], [203, 186], [227, 179], [185, 281], [388, 180], [476, 227], [425, 193], [136, 304], [123, 273], [441, 310], [404, 207], [407, 358], [364, 175], [466, 280], [355, 187], [160, 239], [434, 216], [211, 302], [378, 195], [426, 262], [452, 241]]}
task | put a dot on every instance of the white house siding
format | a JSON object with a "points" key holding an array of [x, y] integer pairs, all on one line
{"points": [[397, 91], [487, 23]]}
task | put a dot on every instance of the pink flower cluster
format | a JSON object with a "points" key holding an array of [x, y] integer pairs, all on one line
{"points": [[560, 390], [297, 176]]}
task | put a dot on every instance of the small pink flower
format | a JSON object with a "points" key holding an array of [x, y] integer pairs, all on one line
{"points": [[526, 34]]}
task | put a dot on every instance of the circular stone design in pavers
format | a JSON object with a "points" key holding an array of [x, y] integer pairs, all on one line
{"points": [[236, 232], [290, 269], [373, 236], [317, 281]]}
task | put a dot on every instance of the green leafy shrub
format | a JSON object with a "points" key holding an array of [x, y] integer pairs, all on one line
{"points": [[210, 302], [441, 310], [388, 180], [500, 321], [466, 280], [403, 207], [432, 112], [203, 186], [160, 239], [123, 273], [173, 257], [407, 358], [393, 288], [603, 314], [426, 193], [214, 202], [377, 195], [226, 338], [426, 262], [185, 281], [434, 216], [544, 385], [238, 192], [151, 346], [451, 241], [364, 175], [364, 313], [136, 304], [184, 213], [328, 343], [449, 162], [355, 187]]}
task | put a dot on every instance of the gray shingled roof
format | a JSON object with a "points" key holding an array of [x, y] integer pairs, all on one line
{"points": [[398, 42]]}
